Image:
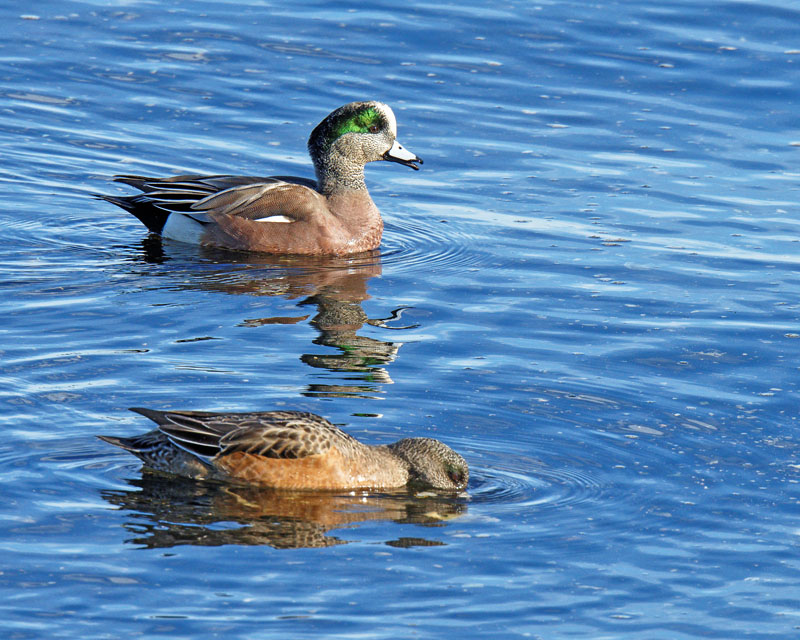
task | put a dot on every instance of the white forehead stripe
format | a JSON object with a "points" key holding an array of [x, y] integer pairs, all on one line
{"points": [[389, 115]]}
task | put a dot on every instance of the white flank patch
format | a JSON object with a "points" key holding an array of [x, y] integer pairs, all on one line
{"points": [[274, 219], [182, 228], [389, 114]]}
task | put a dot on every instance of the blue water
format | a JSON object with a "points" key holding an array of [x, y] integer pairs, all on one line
{"points": [[591, 290]]}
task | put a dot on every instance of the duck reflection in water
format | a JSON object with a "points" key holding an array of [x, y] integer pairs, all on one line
{"points": [[337, 287], [166, 511]]}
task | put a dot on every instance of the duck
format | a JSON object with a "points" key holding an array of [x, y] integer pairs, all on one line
{"points": [[292, 450], [333, 215]]}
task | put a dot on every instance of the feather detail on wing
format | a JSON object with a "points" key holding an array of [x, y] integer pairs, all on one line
{"points": [[272, 434], [259, 202], [194, 184], [284, 439], [201, 196]]}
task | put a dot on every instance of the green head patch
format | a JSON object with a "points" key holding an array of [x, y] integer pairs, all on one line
{"points": [[356, 117], [365, 120]]}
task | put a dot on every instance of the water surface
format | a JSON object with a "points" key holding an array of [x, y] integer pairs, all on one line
{"points": [[590, 291]]}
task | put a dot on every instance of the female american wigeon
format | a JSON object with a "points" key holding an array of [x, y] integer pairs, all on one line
{"points": [[288, 450], [333, 215]]}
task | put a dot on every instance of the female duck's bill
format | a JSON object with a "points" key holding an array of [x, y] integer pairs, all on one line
{"points": [[332, 215]]}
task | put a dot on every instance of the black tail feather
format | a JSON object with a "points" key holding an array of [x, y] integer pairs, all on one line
{"points": [[150, 215], [129, 444]]}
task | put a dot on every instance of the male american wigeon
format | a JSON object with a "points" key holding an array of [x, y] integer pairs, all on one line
{"points": [[333, 215], [288, 450]]}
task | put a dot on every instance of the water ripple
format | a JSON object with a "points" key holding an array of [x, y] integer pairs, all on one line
{"points": [[416, 245], [516, 482]]}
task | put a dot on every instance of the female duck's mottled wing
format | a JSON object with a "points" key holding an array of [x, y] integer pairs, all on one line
{"points": [[272, 434], [285, 435]]}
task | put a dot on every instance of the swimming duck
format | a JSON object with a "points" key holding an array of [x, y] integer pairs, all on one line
{"points": [[332, 215], [288, 450]]}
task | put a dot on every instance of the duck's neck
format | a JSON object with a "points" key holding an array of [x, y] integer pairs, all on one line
{"points": [[341, 181], [337, 174]]}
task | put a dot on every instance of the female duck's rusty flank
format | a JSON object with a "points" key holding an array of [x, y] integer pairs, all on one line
{"points": [[332, 215], [288, 450]]}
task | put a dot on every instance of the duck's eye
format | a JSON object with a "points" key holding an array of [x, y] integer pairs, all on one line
{"points": [[455, 476], [374, 128]]}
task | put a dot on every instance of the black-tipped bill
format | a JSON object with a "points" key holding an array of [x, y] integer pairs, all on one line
{"points": [[398, 153]]}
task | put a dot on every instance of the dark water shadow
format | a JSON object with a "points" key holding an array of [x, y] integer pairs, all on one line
{"points": [[167, 511]]}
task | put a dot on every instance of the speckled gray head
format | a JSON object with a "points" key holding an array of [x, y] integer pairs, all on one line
{"points": [[357, 133], [432, 463]]}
